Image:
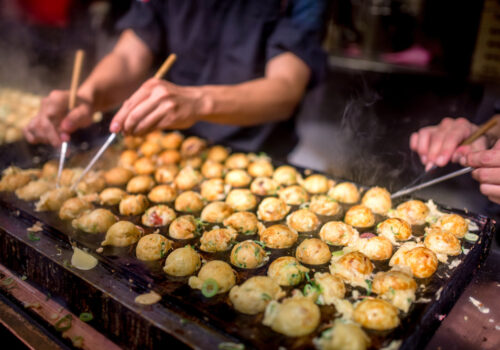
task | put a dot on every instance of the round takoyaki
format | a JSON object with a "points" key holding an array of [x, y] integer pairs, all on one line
{"points": [[128, 158], [287, 271], [454, 224], [95, 221], [272, 209], [213, 190], [122, 234], [34, 189], [238, 178], [216, 212], [244, 222], [313, 251], [374, 247], [217, 153], [248, 255], [237, 161], [166, 173], [354, 267], [396, 287], [317, 184], [49, 170], [152, 247], [394, 229], [212, 170], [241, 200], [254, 294], [293, 195], [286, 175], [73, 207], [144, 166], [132, 142], [303, 220], [261, 168], [92, 183], [140, 184], [330, 289], [376, 314], [345, 192], [378, 199], [169, 157], [53, 199], [187, 178], [325, 205], [264, 186], [162, 194], [158, 216], [133, 204], [192, 146], [442, 243], [217, 240], [111, 196], [422, 261], [182, 262], [413, 212], [343, 336], [149, 149], [215, 277], [193, 162], [359, 216], [172, 140], [279, 237], [189, 202], [338, 233], [183, 227]]}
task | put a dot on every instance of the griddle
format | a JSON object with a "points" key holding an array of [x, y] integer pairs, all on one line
{"points": [[184, 314]]}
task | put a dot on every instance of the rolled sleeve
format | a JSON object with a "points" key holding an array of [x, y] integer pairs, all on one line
{"points": [[143, 18]]}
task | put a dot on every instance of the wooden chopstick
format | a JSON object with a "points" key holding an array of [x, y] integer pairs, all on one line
{"points": [[483, 129], [77, 69], [166, 66]]}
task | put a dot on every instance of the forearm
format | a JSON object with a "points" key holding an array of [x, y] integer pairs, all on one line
{"points": [[118, 74]]}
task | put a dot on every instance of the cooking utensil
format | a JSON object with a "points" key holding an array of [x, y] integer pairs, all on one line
{"points": [[159, 74], [477, 134], [77, 68], [432, 182]]}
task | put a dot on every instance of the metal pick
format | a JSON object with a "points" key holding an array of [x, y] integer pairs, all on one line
{"points": [[62, 157], [432, 182]]}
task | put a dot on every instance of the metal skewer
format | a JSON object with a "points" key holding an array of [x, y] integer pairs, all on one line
{"points": [[159, 74], [77, 68], [432, 182]]}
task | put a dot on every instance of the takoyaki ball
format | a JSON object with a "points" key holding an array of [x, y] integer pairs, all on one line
{"points": [[454, 224], [422, 261], [375, 247], [394, 229], [53, 199], [144, 166], [192, 146], [354, 267], [217, 153], [293, 195], [237, 161], [149, 149], [166, 173], [212, 170], [11, 182], [187, 178], [182, 262], [413, 211], [287, 271], [378, 199], [396, 287], [73, 207], [241, 200], [343, 336], [140, 184], [183, 227], [128, 158], [118, 176], [254, 294], [217, 240], [215, 277], [399, 257], [13, 134], [96, 221], [338, 233], [68, 176], [154, 136], [162, 194], [359, 216], [345, 192], [189, 202], [172, 140], [317, 184], [111, 196], [248, 255], [158, 215], [294, 317], [238, 178], [313, 251], [122, 234], [49, 170], [92, 183], [244, 222], [132, 142], [133, 204], [152, 247], [376, 314], [193, 162], [279, 237], [264, 186], [286, 175], [34, 189], [303, 220], [442, 243], [272, 209], [324, 205], [213, 190], [261, 168], [216, 212], [169, 156], [331, 287]]}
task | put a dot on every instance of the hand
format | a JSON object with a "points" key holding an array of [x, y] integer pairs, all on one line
{"points": [[438, 145], [53, 124], [487, 164], [158, 104]]}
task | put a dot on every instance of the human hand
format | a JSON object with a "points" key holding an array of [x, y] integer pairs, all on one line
{"points": [[54, 123], [158, 104], [487, 172], [439, 144]]}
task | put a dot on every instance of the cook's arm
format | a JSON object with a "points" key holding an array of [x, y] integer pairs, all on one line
{"points": [[160, 104]]}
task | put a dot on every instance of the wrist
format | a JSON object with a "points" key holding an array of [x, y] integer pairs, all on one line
{"points": [[206, 102]]}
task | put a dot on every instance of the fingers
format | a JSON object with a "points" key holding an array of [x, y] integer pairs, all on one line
{"points": [[163, 113], [490, 190], [487, 175], [424, 136], [414, 141], [77, 118], [482, 159]]}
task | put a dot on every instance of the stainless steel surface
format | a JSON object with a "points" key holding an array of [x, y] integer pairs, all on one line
{"points": [[432, 182], [62, 157]]}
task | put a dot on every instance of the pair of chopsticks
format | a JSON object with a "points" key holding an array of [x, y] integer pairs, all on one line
{"points": [[77, 69], [165, 67], [483, 129]]}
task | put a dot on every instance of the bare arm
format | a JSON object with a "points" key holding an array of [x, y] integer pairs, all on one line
{"points": [[160, 104]]}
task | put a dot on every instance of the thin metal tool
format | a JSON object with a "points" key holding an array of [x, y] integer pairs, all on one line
{"points": [[432, 182], [159, 74], [77, 69], [483, 129]]}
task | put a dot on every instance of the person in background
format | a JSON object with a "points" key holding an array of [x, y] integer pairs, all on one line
{"points": [[243, 68], [439, 144]]}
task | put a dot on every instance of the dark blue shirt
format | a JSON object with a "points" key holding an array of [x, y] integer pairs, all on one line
{"points": [[229, 42]]}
